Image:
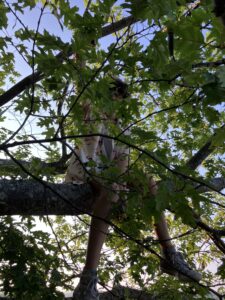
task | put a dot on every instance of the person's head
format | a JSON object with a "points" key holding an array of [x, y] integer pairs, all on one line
{"points": [[119, 89]]}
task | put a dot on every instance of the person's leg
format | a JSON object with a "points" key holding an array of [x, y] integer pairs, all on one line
{"points": [[86, 290], [161, 227], [174, 263], [162, 232], [98, 230]]}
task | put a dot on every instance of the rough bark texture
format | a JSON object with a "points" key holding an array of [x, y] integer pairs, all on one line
{"points": [[28, 197]]}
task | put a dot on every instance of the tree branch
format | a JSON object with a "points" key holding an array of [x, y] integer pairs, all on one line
{"points": [[28, 197], [193, 163], [122, 292], [37, 76], [20, 87], [211, 64], [116, 26], [202, 154]]}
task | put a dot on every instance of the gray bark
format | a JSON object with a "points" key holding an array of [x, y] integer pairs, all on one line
{"points": [[29, 197]]}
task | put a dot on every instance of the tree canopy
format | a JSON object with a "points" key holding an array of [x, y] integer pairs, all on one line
{"points": [[172, 56]]}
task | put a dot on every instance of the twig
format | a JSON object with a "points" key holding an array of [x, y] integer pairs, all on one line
{"points": [[38, 75]]}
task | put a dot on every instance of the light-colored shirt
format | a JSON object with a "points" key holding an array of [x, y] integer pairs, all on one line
{"points": [[93, 148]]}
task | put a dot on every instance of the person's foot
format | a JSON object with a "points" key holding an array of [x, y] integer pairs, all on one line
{"points": [[174, 264], [87, 287]]}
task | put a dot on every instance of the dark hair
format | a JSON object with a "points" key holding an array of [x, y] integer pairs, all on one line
{"points": [[119, 88]]}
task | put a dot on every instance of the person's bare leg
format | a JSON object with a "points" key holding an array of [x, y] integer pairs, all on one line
{"points": [[98, 230], [87, 287], [161, 227], [162, 232], [173, 263]]}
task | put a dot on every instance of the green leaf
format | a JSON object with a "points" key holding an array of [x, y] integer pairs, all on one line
{"points": [[215, 94], [219, 138], [221, 75], [221, 269]]}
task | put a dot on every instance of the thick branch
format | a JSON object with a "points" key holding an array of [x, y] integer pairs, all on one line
{"points": [[28, 197], [37, 76], [202, 154], [193, 163], [20, 87]]}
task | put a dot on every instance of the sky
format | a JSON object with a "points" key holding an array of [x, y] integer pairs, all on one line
{"points": [[49, 23]]}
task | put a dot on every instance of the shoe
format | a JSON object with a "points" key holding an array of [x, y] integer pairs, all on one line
{"points": [[174, 264], [86, 289]]}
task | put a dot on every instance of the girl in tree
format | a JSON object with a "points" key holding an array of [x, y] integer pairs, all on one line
{"points": [[89, 153]]}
